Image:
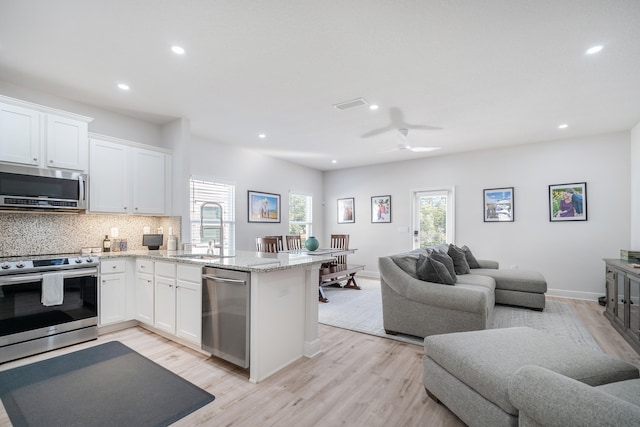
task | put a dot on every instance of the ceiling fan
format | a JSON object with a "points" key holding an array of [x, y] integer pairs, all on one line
{"points": [[404, 146], [397, 123]]}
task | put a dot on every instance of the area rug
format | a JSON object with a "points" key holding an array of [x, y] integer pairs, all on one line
{"points": [[108, 384], [361, 311]]}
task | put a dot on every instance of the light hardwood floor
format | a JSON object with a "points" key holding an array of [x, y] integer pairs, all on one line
{"points": [[358, 380]]}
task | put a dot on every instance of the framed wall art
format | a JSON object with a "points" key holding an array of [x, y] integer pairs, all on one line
{"points": [[498, 205], [381, 209], [568, 202], [346, 211], [264, 207]]}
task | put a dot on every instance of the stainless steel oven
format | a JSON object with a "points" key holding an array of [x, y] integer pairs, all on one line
{"points": [[29, 322]]}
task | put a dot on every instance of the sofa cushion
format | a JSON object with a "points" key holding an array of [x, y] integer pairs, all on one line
{"points": [[407, 261], [447, 261], [430, 270], [516, 280], [477, 280], [628, 390], [485, 360], [459, 260], [471, 260]]}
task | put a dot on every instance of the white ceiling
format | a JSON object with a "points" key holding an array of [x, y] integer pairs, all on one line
{"points": [[488, 73]]}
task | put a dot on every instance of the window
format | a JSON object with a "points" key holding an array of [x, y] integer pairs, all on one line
{"points": [[434, 214], [202, 191], [300, 215]]}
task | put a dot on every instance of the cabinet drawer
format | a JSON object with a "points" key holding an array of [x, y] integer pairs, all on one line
{"points": [[165, 269], [610, 273], [189, 273], [112, 266], [144, 266]]}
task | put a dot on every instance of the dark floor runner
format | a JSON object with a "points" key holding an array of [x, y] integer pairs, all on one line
{"points": [[105, 385]]}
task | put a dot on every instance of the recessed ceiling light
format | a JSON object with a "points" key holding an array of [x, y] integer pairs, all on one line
{"points": [[594, 49], [123, 86], [373, 107], [423, 149], [262, 136], [177, 50], [334, 161], [563, 126]]}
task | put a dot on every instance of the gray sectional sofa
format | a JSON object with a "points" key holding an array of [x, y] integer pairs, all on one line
{"points": [[521, 376], [546, 398], [422, 308]]}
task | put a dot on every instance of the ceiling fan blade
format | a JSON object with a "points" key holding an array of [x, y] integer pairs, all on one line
{"points": [[422, 127], [376, 132]]}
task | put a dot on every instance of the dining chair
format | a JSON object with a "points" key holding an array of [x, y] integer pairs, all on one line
{"points": [[280, 243], [294, 242], [267, 244], [340, 241]]}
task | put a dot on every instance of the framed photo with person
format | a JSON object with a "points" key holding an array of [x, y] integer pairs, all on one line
{"points": [[498, 205], [568, 202], [381, 209], [346, 211], [264, 207]]}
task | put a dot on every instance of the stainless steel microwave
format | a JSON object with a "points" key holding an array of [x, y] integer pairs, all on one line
{"points": [[32, 188]]}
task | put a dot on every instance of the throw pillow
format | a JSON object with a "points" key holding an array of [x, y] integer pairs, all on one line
{"points": [[459, 260], [433, 271], [446, 260], [471, 260]]}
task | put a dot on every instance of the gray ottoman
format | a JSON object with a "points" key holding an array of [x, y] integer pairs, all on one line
{"points": [[469, 372], [523, 288]]}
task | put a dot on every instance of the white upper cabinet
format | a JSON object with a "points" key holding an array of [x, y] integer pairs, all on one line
{"points": [[149, 172], [128, 178], [67, 143], [19, 135], [39, 136], [108, 184]]}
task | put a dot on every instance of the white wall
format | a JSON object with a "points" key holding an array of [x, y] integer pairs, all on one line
{"points": [[568, 254], [635, 188], [253, 171]]}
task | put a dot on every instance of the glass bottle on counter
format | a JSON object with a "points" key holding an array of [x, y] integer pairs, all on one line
{"points": [[106, 244]]}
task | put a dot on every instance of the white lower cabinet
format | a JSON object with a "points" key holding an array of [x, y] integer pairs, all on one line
{"points": [[165, 297], [178, 300], [144, 291], [113, 292], [189, 303]]}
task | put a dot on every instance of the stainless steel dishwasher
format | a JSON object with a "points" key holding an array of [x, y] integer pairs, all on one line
{"points": [[225, 314]]}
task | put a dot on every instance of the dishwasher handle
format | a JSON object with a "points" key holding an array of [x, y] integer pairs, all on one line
{"points": [[223, 279]]}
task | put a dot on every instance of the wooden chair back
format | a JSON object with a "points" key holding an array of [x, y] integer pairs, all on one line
{"points": [[340, 241], [279, 241], [294, 242], [267, 244]]}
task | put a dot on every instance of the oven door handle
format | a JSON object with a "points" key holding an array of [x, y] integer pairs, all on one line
{"points": [[21, 278]]}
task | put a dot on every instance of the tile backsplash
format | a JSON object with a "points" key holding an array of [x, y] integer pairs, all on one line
{"points": [[34, 233]]}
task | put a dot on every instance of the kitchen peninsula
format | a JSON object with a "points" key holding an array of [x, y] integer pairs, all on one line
{"points": [[283, 300]]}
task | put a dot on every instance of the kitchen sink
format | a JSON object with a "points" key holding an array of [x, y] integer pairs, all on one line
{"points": [[203, 256]]}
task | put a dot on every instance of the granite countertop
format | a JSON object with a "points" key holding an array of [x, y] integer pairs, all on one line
{"points": [[240, 260]]}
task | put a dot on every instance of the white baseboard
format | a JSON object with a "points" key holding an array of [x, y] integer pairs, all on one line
{"points": [[589, 296]]}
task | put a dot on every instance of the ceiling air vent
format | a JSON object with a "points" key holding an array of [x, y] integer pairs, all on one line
{"points": [[347, 105]]}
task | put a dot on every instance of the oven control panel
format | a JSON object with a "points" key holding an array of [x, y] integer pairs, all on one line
{"points": [[15, 266]]}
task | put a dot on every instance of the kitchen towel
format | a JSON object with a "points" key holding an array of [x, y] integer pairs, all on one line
{"points": [[52, 289]]}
